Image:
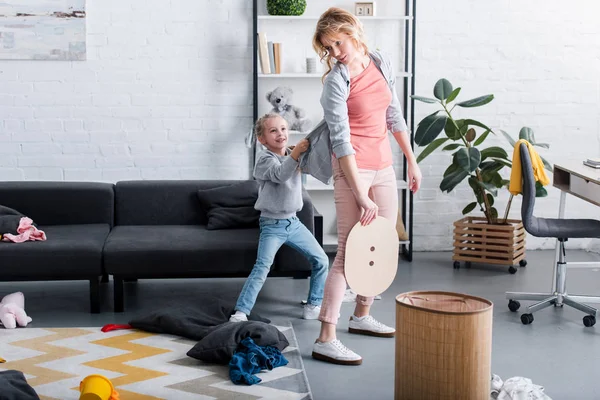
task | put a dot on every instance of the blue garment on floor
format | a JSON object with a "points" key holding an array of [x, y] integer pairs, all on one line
{"points": [[250, 359]]}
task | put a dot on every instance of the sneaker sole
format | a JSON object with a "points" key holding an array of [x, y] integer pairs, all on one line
{"points": [[331, 360], [371, 333]]}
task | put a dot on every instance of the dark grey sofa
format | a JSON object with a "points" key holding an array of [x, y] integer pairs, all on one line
{"points": [[132, 229], [160, 232], [77, 218]]}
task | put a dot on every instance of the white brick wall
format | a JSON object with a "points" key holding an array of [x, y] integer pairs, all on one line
{"points": [[540, 59], [165, 93]]}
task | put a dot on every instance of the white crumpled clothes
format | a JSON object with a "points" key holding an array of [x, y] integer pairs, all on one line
{"points": [[516, 388]]}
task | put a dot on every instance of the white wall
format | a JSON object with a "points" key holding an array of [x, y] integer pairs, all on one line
{"points": [[166, 92], [541, 60]]}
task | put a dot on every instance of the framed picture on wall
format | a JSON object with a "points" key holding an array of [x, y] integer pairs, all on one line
{"points": [[364, 9]]}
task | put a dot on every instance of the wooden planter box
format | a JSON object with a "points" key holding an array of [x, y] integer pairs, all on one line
{"points": [[477, 241]]}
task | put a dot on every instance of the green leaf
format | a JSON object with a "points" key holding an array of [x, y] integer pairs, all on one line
{"points": [[429, 129], [527, 134], [477, 123], [470, 207], [490, 198], [442, 89], [542, 145], [451, 130], [494, 151], [494, 213], [474, 183], [452, 168], [453, 95], [506, 163], [430, 148], [487, 186], [496, 180], [449, 182], [468, 158], [491, 167], [510, 139], [470, 136], [481, 138], [452, 146], [547, 165], [424, 99], [540, 191], [476, 102]]}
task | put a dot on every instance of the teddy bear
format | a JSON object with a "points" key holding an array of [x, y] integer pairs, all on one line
{"points": [[281, 99], [12, 311]]}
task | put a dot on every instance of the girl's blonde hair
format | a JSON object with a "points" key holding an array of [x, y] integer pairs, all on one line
{"points": [[259, 126], [333, 22]]}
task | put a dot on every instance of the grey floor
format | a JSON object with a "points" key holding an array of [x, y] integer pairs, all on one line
{"points": [[556, 351]]}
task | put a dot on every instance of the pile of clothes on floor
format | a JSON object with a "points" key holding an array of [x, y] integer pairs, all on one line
{"points": [[516, 388]]}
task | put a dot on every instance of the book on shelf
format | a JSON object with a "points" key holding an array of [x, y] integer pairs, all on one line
{"points": [[269, 54]]}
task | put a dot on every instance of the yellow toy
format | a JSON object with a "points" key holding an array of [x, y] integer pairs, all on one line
{"points": [[97, 387]]}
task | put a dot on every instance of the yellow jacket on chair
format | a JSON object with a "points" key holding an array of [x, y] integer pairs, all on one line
{"points": [[516, 179]]}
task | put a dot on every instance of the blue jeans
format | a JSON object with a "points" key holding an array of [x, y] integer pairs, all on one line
{"points": [[273, 234]]}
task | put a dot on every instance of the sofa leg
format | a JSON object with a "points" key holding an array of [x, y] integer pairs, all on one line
{"points": [[104, 278], [94, 295], [118, 289]]}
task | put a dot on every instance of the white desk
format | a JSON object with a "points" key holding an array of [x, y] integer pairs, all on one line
{"points": [[577, 179]]}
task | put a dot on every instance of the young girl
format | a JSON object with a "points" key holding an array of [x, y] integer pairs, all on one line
{"points": [[360, 105], [279, 198]]}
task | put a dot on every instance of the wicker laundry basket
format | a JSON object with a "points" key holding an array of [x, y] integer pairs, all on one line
{"points": [[443, 346]]}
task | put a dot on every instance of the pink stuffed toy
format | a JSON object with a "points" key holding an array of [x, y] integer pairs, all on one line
{"points": [[12, 311]]}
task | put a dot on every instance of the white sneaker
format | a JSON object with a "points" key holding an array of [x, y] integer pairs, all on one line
{"points": [[369, 326], [335, 352], [311, 312], [238, 317]]}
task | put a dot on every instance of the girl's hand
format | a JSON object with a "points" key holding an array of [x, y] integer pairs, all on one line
{"points": [[414, 178], [368, 208], [299, 148]]}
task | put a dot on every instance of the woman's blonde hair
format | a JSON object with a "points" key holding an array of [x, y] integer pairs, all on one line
{"points": [[259, 126], [333, 22]]}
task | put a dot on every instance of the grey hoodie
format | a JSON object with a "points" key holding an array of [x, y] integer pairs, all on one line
{"points": [[280, 190], [332, 134]]}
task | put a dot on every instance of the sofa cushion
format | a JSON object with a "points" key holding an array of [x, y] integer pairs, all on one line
{"points": [[71, 252], [61, 203], [162, 202], [220, 344], [176, 250], [230, 206]]}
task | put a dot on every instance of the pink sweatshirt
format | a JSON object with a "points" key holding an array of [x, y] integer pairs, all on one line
{"points": [[367, 103]]}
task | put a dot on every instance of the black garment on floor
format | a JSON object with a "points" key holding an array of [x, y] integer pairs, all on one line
{"points": [[14, 386], [192, 322]]}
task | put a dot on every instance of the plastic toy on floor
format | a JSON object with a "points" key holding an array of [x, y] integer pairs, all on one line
{"points": [[97, 387], [12, 311]]}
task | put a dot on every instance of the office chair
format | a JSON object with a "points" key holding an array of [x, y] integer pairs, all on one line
{"points": [[562, 229]]}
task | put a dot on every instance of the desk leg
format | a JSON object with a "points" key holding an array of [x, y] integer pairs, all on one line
{"points": [[561, 214]]}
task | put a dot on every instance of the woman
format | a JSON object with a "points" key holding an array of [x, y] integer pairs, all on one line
{"points": [[360, 105]]}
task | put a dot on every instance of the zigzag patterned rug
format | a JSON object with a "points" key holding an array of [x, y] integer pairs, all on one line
{"points": [[141, 366]]}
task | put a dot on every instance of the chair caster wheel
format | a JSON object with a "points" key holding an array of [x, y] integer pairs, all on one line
{"points": [[526, 319], [513, 305], [456, 264], [589, 320], [523, 263], [512, 270]]}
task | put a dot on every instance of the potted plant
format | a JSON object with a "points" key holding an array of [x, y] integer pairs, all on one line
{"points": [[286, 7], [489, 239]]}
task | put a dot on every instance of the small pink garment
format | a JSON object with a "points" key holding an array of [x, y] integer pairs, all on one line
{"points": [[26, 231]]}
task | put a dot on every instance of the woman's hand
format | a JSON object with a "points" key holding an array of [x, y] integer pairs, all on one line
{"points": [[369, 209], [414, 177]]}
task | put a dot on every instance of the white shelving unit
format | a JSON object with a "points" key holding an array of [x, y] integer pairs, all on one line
{"points": [[295, 35]]}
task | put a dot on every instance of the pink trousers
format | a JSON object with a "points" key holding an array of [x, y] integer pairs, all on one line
{"points": [[383, 191]]}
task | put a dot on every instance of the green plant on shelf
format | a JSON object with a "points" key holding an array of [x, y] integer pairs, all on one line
{"points": [[286, 7], [482, 166]]}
